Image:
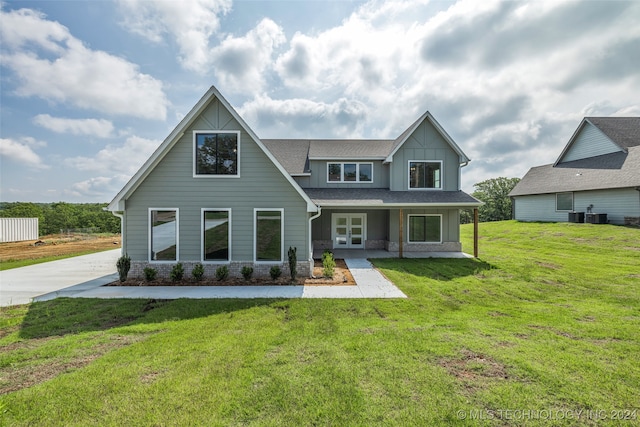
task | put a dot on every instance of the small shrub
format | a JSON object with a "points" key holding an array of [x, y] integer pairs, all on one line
{"points": [[328, 264], [150, 274], [222, 272], [293, 262], [247, 272], [275, 272], [198, 271], [177, 272], [123, 265]]}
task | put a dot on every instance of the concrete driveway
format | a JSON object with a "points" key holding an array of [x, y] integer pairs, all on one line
{"points": [[57, 278]]}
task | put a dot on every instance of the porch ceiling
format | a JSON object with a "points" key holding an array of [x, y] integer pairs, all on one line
{"points": [[379, 197]]}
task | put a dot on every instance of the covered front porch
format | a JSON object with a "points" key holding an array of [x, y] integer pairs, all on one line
{"points": [[418, 224]]}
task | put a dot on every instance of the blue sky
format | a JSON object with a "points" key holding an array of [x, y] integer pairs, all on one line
{"points": [[90, 89]]}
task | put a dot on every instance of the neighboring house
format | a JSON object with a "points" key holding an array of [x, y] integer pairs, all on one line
{"points": [[213, 192], [597, 172]]}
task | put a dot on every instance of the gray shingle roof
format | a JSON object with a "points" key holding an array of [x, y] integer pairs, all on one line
{"points": [[615, 170], [378, 197], [291, 153], [624, 131]]}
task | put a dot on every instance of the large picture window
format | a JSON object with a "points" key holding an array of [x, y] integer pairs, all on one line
{"points": [[564, 201], [216, 153], [425, 228], [163, 234], [216, 235], [269, 235], [425, 175], [349, 172]]}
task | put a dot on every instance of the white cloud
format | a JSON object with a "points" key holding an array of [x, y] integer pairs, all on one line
{"points": [[303, 118], [99, 128], [124, 159], [240, 62], [98, 188], [22, 151], [192, 24], [70, 72]]}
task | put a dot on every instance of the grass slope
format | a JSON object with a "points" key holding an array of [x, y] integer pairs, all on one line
{"points": [[546, 323]]}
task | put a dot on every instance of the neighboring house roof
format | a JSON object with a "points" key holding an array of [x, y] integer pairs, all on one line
{"points": [[615, 170], [117, 204], [622, 131], [378, 197]]}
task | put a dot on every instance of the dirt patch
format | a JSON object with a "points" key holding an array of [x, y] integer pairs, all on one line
{"points": [[56, 245], [341, 277], [15, 377], [473, 366]]}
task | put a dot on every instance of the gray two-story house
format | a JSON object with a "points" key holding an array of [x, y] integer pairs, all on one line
{"points": [[214, 193]]}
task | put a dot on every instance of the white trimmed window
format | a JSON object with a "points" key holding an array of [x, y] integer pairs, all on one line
{"points": [[425, 228], [216, 154], [268, 239], [425, 174], [216, 235], [350, 172], [163, 234], [564, 201]]}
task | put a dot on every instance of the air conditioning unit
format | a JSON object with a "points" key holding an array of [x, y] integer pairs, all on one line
{"points": [[596, 218]]}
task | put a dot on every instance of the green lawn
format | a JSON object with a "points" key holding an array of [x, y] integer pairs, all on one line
{"points": [[544, 329]]}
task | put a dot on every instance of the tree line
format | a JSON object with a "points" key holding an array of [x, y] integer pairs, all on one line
{"points": [[54, 218], [494, 193]]}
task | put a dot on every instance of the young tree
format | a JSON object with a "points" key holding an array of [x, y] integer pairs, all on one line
{"points": [[495, 195]]}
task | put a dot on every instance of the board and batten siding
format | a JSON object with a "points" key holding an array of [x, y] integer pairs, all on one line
{"points": [[425, 143], [171, 185], [590, 142], [450, 227], [18, 229], [318, 178], [616, 203]]}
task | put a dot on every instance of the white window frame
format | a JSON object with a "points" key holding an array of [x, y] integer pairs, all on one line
{"points": [[420, 242], [425, 188], [208, 261], [342, 181], [150, 231], [195, 148], [255, 235], [572, 202]]}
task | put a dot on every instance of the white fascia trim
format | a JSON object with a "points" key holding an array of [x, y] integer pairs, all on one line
{"points": [[230, 241], [440, 130], [150, 229], [255, 231], [400, 205], [117, 204]]}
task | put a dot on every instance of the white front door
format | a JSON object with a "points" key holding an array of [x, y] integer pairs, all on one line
{"points": [[348, 230]]}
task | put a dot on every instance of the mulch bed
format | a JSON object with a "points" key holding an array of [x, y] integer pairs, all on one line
{"points": [[342, 277]]}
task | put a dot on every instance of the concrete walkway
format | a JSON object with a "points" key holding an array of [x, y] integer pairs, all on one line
{"points": [[84, 277], [369, 284], [65, 277]]}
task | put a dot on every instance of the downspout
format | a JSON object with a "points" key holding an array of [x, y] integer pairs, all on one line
{"points": [[311, 241], [121, 216]]}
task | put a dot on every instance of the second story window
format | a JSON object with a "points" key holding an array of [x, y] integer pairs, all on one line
{"points": [[425, 174], [349, 172], [216, 153]]}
